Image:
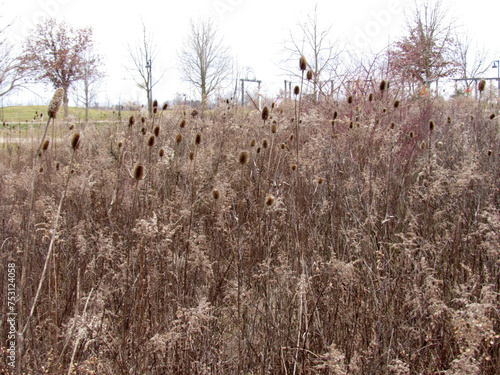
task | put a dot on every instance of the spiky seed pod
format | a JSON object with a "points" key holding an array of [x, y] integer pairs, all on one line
{"points": [[75, 141], [215, 194], [58, 166], [191, 155], [138, 172], [161, 153], [412, 134], [274, 128], [72, 171], [143, 119], [45, 145], [492, 116], [294, 167], [370, 97], [333, 123], [335, 114], [40, 170], [396, 104], [320, 180], [283, 146], [349, 99], [296, 90], [393, 125], [55, 103], [490, 152], [431, 126], [252, 143], [120, 144], [481, 86], [258, 150], [155, 103], [155, 110], [165, 106], [265, 143], [197, 139], [302, 63], [272, 105], [269, 200], [71, 127], [243, 157], [309, 74], [384, 110], [143, 131], [131, 121], [182, 124], [156, 131], [383, 85], [449, 120], [265, 113], [151, 140], [351, 125], [178, 138], [422, 145]]}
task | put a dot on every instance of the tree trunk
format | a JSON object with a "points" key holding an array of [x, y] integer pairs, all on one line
{"points": [[65, 102]]}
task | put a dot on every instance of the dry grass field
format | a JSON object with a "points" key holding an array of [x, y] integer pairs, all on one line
{"points": [[353, 236]]}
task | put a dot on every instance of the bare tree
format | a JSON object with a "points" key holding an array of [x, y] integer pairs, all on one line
{"points": [[12, 72], [205, 61], [427, 52], [315, 44], [87, 90], [472, 61], [143, 55]]}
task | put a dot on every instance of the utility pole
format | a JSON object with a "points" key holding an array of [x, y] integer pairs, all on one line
{"points": [[150, 86]]}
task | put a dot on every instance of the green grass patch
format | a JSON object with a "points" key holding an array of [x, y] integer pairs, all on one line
{"points": [[31, 113]]}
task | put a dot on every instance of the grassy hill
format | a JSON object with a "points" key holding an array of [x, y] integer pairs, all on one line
{"points": [[32, 112]]}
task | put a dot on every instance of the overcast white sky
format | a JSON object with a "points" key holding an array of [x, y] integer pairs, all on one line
{"points": [[253, 29]]}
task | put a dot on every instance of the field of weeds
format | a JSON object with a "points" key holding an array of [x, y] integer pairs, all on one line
{"points": [[353, 236]]}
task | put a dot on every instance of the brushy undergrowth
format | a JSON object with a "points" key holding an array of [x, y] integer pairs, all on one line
{"points": [[216, 246]]}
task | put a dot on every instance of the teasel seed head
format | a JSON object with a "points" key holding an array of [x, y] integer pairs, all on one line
{"points": [[155, 103], [71, 127], [58, 166], [265, 143], [252, 143], [431, 126], [143, 131], [490, 152], [393, 125], [291, 137], [258, 150], [215, 194], [383, 85], [370, 97], [156, 131], [131, 121], [143, 119], [165, 106], [272, 105], [75, 141], [449, 120], [296, 90], [138, 172], [178, 138], [191, 156], [309, 74], [492, 116], [155, 110], [320, 180], [351, 125], [161, 153], [45, 145], [269, 200], [274, 128], [151, 140], [55, 103], [384, 110], [294, 167], [335, 114], [283, 146], [481, 86], [265, 113], [120, 144], [349, 99], [40, 170], [412, 134], [197, 139], [302, 63], [422, 145], [182, 124], [243, 157], [396, 104]]}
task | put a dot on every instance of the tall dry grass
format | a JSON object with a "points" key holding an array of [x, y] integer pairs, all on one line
{"points": [[380, 254]]}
